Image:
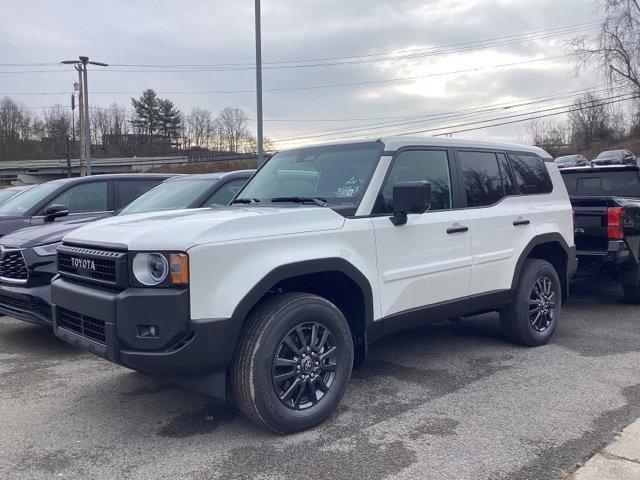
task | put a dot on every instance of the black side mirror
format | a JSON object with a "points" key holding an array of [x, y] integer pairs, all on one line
{"points": [[54, 211], [410, 197]]}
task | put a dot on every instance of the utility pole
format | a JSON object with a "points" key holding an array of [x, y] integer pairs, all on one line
{"points": [[81, 66], [73, 127], [81, 145], [259, 85]]}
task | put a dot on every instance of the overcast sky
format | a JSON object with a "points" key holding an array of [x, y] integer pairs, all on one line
{"points": [[196, 32]]}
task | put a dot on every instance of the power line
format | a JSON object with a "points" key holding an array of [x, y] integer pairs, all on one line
{"points": [[429, 118], [313, 87]]}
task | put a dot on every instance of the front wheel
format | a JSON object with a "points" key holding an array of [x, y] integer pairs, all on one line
{"points": [[534, 314], [294, 362]]}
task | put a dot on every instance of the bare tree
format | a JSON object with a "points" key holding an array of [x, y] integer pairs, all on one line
{"points": [[616, 51], [234, 130], [199, 127], [549, 135], [593, 121]]}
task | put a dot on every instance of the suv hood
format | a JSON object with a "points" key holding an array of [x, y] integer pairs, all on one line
{"points": [[181, 230], [43, 234]]}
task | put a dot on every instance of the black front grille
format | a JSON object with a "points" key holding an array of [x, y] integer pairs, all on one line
{"points": [[81, 324], [101, 266], [12, 265]]}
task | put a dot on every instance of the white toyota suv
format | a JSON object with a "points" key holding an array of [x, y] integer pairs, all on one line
{"points": [[274, 299]]}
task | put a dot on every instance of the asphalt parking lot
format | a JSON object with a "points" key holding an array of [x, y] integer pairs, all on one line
{"points": [[433, 403]]}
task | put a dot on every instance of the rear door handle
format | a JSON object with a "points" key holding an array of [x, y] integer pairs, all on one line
{"points": [[520, 223], [452, 230]]}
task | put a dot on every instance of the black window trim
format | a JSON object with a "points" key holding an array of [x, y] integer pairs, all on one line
{"points": [[453, 175]]}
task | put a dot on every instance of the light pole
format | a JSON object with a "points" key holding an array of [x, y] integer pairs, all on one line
{"points": [[259, 84], [81, 66]]}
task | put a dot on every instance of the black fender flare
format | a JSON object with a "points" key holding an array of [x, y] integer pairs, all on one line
{"points": [[291, 270], [570, 252]]}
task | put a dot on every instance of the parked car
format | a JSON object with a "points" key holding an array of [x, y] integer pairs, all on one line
{"points": [[572, 161], [73, 198], [615, 157], [28, 262], [8, 193], [606, 202], [325, 250]]}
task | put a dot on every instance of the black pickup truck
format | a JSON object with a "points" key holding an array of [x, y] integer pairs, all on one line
{"points": [[606, 206]]}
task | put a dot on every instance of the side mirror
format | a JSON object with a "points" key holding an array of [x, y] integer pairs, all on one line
{"points": [[54, 211], [410, 197]]}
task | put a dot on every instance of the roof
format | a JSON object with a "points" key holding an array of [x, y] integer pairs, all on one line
{"points": [[599, 168], [396, 142], [115, 176], [216, 176]]}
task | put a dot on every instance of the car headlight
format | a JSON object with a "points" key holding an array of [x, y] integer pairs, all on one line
{"points": [[46, 250], [150, 268]]}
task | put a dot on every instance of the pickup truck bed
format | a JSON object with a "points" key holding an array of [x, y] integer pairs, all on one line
{"points": [[607, 226]]}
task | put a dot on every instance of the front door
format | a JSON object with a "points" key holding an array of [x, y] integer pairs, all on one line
{"points": [[426, 262]]}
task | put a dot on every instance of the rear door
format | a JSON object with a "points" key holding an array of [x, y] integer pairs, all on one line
{"points": [[428, 260], [499, 223]]}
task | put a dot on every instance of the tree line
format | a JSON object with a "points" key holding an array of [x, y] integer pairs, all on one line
{"points": [[150, 126]]}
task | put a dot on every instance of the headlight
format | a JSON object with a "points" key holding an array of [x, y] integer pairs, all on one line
{"points": [[150, 268], [47, 250]]}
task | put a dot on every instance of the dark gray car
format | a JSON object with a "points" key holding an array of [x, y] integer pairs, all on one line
{"points": [[28, 261]]}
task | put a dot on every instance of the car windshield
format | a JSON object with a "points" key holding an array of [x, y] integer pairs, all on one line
{"points": [[623, 183], [610, 154], [7, 194], [171, 195], [568, 159], [24, 202], [336, 174]]}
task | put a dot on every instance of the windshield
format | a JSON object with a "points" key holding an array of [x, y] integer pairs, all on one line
{"points": [[338, 174], [24, 202], [567, 159], [624, 183], [7, 194], [171, 195], [610, 154]]}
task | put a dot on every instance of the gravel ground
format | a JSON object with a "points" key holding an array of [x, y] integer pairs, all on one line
{"points": [[433, 403]]}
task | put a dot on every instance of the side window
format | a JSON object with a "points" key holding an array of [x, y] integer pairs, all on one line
{"points": [[416, 165], [84, 198], [531, 174], [127, 190], [225, 194], [482, 178]]}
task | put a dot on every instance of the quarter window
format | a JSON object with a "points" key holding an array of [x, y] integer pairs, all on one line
{"points": [[532, 176], [418, 165], [483, 179]]}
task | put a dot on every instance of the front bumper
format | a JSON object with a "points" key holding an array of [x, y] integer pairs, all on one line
{"points": [[115, 326], [28, 303]]}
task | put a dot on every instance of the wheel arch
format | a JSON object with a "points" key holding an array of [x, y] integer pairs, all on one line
{"points": [[553, 248], [314, 276]]}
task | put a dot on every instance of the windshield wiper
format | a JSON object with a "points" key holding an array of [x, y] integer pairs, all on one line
{"points": [[250, 201], [317, 200]]}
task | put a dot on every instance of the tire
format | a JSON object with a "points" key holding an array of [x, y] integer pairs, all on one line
{"points": [[631, 293], [323, 372], [526, 327]]}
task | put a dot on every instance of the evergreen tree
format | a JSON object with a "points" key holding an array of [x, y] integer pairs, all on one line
{"points": [[147, 111], [169, 119]]}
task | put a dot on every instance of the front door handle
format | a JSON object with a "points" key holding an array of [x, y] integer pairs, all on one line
{"points": [[458, 229], [521, 223]]}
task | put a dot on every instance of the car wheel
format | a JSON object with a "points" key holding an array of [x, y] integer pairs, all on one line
{"points": [[293, 363], [534, 313], [632, 293]]}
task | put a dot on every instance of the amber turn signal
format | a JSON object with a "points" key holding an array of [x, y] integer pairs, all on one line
{"points": [[179, 264]]}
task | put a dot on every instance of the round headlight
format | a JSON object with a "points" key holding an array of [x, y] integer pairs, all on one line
{"points": [[150, 268]]}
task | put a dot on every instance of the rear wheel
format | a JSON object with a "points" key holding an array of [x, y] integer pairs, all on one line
{"points": [[294, 362], [534, 314], [632, 293]]}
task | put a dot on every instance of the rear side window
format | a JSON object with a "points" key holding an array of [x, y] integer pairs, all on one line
{"points": [[418, 165], [483, 178], [531, 174], [226, 193], [623, 183], [127, 190]]}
